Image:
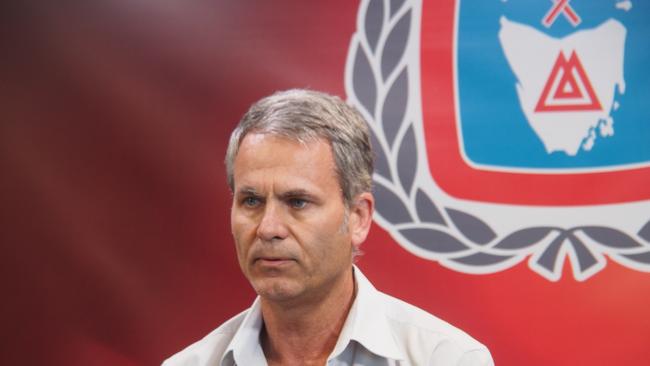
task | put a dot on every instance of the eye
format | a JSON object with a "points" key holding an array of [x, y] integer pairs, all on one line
{"points": [[297, 203], [251, 201]]}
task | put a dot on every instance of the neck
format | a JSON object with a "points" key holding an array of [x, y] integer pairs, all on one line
{"points": [[305, 332]]}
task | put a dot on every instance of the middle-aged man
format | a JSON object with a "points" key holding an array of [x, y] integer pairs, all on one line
{"points": [[300, 168]]}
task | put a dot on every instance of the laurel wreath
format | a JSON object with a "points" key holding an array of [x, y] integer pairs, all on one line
{"points": [[378, 77]]}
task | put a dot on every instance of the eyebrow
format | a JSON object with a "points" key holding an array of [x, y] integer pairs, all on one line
{"points": [[299, 192], [247, 191], [295, 193]]}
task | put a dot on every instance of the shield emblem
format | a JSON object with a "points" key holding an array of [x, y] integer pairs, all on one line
{"points": [[508, 131], [542, 102]]}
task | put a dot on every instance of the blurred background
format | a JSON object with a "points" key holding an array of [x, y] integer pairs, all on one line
{"points": [[114, 119], [114, 227]]}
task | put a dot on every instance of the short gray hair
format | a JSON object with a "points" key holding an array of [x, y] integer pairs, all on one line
{"points": [[306, 115]]}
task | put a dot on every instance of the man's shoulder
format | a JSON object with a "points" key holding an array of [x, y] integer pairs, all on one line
{"points": [[410, 317], [429, 337], [210, 348]]}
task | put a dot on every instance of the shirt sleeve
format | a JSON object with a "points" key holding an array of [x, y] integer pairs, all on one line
{"points": [[479, 357], [450, 353]]}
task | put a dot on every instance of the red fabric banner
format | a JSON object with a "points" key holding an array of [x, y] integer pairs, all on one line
{"points": [[115, 220]]}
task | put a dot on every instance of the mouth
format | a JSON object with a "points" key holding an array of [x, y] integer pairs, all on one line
{"points": [[273, 261]]}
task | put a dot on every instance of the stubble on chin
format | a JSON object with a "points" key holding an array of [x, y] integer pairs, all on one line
{"points": [[275, 289]]}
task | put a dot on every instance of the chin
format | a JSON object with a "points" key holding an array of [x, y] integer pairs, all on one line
{"points": [[276, 289]]}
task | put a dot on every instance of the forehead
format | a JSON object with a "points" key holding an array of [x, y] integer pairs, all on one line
{"points": [[267, 158]]}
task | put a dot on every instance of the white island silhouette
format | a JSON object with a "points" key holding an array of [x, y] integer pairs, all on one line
{"points": [[566, 86]]}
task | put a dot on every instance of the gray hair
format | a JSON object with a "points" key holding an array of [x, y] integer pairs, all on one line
{"points": [[306, 115]]}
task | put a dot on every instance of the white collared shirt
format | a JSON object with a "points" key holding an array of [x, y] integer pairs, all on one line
{"points": [[379, 330]]}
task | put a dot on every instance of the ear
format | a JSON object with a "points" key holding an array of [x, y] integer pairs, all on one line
{"points": [[361, 217]]}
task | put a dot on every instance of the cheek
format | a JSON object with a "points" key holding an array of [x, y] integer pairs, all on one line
{"points": [[243, 232], [329, 239], [241, 224]]}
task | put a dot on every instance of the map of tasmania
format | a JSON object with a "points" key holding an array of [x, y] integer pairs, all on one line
{"points": [[566, 86]]}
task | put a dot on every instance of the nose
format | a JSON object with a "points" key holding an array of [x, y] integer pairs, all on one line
{"points": [[272, 226]]}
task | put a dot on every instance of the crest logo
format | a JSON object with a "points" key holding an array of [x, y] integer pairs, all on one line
{"points": [[566, 88], [493, 126]]}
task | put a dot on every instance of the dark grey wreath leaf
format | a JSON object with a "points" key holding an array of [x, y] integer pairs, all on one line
{"points": [[395, 5], [395, 44], [586, 259], [363, 81], [390, 206], [548, 258], [610, 237], [482, 259], [394, 109], [374, 22], [645, 232], [433, 240], [471, 227], [523, 238], [427, 210], [639, 257], [381, 160], [407, 160]]}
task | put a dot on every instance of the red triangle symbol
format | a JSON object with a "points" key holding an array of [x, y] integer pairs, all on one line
{"points": [[567, 88]]}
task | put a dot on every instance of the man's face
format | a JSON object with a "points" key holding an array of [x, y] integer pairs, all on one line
{"points": [[288, 218]]}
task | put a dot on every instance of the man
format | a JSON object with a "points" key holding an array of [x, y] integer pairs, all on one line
{"points": [[300, 168]]}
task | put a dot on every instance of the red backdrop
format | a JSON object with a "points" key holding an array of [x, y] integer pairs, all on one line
{"points": [[117, 249]]}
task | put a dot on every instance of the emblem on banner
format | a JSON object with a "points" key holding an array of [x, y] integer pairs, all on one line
{"points": [[559, 95], [535, 91], [569, 82]]}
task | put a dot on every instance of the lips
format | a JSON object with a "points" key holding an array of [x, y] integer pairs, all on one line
{"points": [[273, 261], [261, 255], [269, 256]]}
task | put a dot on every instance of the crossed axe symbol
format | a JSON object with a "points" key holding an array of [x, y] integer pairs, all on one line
{"points": [[561, 7]]}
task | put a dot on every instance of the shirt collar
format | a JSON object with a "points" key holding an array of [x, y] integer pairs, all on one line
{"points": [[367, 323], [245, 348]]}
